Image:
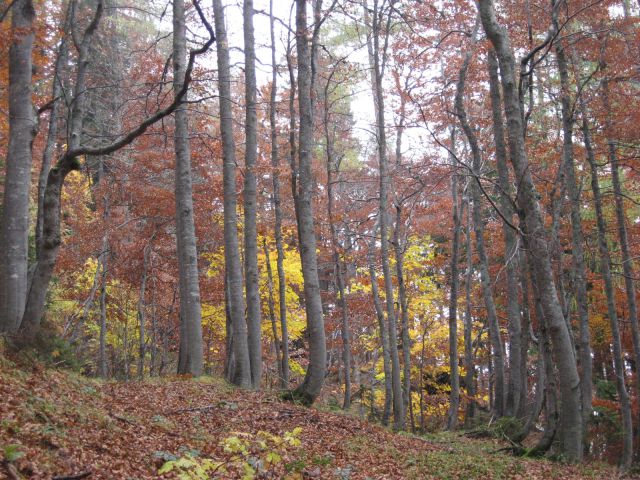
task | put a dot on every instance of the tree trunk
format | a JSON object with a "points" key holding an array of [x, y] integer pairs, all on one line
{"points": [[310, 388], [275, 163], [454, 396], [623, 238], [384, 332], [272, 309], [142, 319], [190, 308], [377, 73], [333, 167], [605, 266], [240, 374], [478, 228], [102, 349], [469, 363], [536, 241], [14, 229], [514, 393], [577, 240], [254, 329]]}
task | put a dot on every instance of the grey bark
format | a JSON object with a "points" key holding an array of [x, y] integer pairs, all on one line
{"points": [[275, 163], [454, 282], [382, 326], [626, 456], [577, 240], [377, 51], [250, 201], [333, 167], [515, 386], [14, 226], [272, 309], [190, 308], [536, 240], [310, 388], [478, 228], [142, 318], [469, 363], [623, 238], [240, 374], [102, 348]]}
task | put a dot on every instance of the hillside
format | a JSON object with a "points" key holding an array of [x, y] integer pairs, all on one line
{"points": [[55, 424]]}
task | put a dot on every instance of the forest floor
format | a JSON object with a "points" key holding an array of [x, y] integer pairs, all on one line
{"points": [[56, 424]]}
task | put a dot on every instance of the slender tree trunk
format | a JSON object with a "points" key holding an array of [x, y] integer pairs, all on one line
{"points": [[190, 308], [333, 166], [275, 163], [272, 309], [454, 396], [577, 240], [14, 226], [623, 238], [142, 319], [240, 374], [384, 332], [469, 363], [478, 228], [377, 51], [514, 392], [310, 388], [250, 201], [102, 349], [605, 267], [536, 241]]}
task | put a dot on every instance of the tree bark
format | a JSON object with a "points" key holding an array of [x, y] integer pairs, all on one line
{"points": [[536, 240], [275, 163], [272, 309], [514, 393], [250, 201], [577, 240], [14, 227], [469, 363], [310, 388], [478, 228], [240, 374], [605, 267], [190, 308], [454, 280]]}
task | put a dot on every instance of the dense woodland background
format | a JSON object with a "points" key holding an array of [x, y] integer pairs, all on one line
{"points": [[424, 212]]}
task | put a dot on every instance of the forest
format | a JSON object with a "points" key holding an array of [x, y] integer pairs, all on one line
{"points": [[402, 223]]}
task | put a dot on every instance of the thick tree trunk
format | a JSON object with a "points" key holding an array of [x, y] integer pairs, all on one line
{"points": [[310, 388], [514, 393], [478, 228], [14, 227], [454, 282], [190, 308], [275, 163], [536, 241], [250, 202], [240, 374], [605, 267]]}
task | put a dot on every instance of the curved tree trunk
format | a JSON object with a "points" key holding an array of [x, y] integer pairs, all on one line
{"points": [[478, 228], [514, 393], [536, 240], [240, 369]]}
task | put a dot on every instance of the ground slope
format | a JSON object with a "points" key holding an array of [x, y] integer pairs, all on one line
{"points": [[63, 425]]}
